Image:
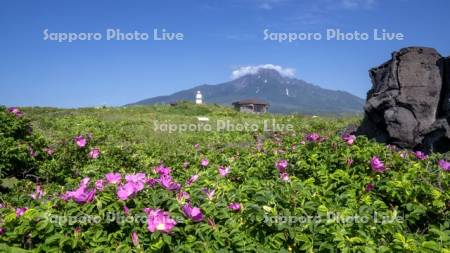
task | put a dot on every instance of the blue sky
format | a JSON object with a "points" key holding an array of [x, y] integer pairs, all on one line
{"points": [[219, 36]]}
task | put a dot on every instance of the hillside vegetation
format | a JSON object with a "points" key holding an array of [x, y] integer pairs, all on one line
{"points": [[133, 180]]}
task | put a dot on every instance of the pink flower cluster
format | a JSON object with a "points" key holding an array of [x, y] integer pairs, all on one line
{"points": [[420, 155], [313, 137], [281, 167], [157, 219], [16, 111], [445, 165], [81, 195], [134, 184]]}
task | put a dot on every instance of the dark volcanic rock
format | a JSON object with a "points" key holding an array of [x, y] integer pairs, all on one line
{"points": [[409, 104]]}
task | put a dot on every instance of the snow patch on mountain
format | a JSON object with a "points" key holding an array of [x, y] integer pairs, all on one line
{"points": [[246, 70]]}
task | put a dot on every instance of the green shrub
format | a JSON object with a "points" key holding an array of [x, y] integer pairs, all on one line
{"points": [[316, 210], [21, 148]]}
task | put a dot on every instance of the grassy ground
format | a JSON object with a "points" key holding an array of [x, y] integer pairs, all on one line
{"points": [[147, 124]]}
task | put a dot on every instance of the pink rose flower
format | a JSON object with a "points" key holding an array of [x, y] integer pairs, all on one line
{"points": [[209, 193], [16, 111], [193, 213], [224, 171], [135, 238], [348, 138], [282, 165], [369, 187], [82, 194], [20, 211], [204, 162], [235, 207], [377, 165], [162, 170], [284, 176], [445, 165], [49, 151], [158, 220], [313, 137], [168, 183], [349, 162], [39, 193], [136, 177], [113, 178], [192, 179], [420, 155], [152, 181], [80, 141], [94, 153], [99, 184], [182, 197], [129, 189]]}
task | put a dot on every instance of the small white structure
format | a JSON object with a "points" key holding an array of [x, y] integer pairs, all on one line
{"points": [[203, 119], [198, 98]]}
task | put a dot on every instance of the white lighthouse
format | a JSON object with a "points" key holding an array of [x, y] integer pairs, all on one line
{"points": [[198, 98]]}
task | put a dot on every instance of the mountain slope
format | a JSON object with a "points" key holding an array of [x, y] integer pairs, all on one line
{"points": [[285, 95]]}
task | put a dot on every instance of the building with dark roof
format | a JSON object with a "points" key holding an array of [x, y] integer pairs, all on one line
{"points": [[251, 105]]}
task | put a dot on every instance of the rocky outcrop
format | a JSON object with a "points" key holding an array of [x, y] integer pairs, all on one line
{"points": [[409, 104]]}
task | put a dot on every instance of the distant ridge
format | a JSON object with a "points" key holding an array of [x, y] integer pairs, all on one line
{"points": [[284, 94]]}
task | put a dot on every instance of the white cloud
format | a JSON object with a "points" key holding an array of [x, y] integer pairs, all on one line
{"points": [[245, 70]]}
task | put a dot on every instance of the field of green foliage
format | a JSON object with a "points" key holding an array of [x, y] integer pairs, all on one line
{"points": [[158, 179]]}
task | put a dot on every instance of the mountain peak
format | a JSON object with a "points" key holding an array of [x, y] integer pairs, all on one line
{"points": [[269, 69], [262, 76], [277, 86], [269, 73]]}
